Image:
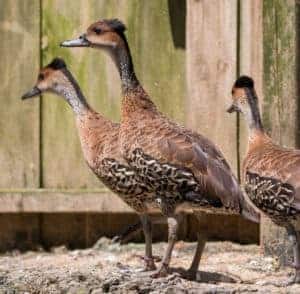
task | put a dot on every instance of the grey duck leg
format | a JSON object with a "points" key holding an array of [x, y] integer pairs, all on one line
{"points": [[173, 225], [294, 237], [192, 271], [147, 228]]}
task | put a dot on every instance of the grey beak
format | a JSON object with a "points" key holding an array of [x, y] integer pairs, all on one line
{"points": [[35, 91], [80, 42], [233, 108]]}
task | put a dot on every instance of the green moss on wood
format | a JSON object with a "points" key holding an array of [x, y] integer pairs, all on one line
{"points": [[19, 120], [280, 102], [279, 70]]}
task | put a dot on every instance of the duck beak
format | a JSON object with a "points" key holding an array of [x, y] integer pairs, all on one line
{"points": [[80, 42], [233, 108], [35, 91]]}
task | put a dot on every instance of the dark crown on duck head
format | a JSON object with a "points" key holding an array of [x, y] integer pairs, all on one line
{"points": [[244, 82], [57, 64], [115, 24]]}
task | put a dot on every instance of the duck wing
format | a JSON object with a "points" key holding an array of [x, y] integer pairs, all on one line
{"points": [[177, 146]]}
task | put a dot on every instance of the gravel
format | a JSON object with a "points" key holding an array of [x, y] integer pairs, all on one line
{"points": [[110, 268]]}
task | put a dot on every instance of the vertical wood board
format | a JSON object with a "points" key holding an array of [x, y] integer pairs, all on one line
{"points": [[250, 63], [211, 69], [19, 121], [280, 91], [280, 105], [250, 56]]}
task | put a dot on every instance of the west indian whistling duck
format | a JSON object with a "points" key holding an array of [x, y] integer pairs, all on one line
{"points": [[186, 169], [271, 173], [99, 142]]}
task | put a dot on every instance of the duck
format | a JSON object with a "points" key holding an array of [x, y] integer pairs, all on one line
{"points": [[270, 172], [99, 142], [187, 171]]}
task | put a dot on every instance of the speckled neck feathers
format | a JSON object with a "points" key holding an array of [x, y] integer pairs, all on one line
{"points": [[134, 95], [125, 65], [254, 121], [72, 93]]}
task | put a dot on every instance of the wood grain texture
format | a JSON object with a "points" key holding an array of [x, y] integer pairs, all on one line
{"points": [[251, 64], [211, 69], [280, 105], [250, 56], [19, 121], [159, 65], [280, 51], [47, 201]]}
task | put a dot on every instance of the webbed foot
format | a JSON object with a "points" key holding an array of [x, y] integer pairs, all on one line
{"points": [[161, 272]]}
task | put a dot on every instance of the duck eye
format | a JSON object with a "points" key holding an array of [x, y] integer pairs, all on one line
{"points": [[97, 31], [41, 77]]}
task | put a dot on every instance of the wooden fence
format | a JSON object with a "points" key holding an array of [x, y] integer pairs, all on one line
{"points": [[187, 53]]}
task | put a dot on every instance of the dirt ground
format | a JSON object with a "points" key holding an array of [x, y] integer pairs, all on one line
{"points": [[108, 267]]}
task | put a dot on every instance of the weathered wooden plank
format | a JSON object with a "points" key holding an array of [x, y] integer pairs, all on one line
{"points": [[159, 65], [211, 69], [19, 121], [63, 163], [19, 231], [158, 50], [280, 107], [280, 103], [42, 201], [250, 63]]}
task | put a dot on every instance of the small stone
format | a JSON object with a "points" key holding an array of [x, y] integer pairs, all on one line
{"points": [[102, 243], [97, 291], [59, 250]]}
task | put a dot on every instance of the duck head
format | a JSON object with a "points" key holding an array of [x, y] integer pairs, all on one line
{"points": [[240, 94], [51, 78], [244, 100], [106, 33], [57, 79]]}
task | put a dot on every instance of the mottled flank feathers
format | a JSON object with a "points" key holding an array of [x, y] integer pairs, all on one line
{"points": [[270, 195], [271, 176], [175, 185]]}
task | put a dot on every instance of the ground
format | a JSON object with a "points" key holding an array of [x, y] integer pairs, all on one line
{"points": [[108, 267]]}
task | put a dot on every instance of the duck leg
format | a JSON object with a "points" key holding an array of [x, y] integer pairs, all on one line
{"points": [[147, 228], [294, 237], [173, 225], [192, 271]]}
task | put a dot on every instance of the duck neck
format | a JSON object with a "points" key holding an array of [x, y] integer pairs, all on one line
{"points": [[73, 95], [134, 96], [252, 114], [122, 57]]}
